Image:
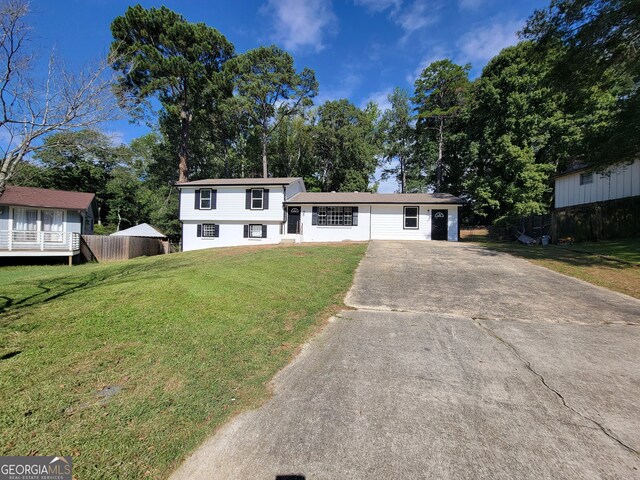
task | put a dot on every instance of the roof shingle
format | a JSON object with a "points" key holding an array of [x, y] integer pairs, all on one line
{"points": [[45, 198]]}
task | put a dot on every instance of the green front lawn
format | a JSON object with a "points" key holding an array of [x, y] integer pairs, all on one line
{"points": [[185, 340]]}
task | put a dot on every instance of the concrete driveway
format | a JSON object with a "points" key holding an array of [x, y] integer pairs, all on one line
{"points": [[458, 362]]}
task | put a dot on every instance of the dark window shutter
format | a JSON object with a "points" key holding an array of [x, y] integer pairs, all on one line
{"points": [[214, 198], [197, 205], [355, 215], [216, 230], [246, 231], [265, 199], [314, 216], [199, 234], [264, 231], [247, 203]]}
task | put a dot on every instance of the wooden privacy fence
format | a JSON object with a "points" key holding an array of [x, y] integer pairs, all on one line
{"points": [[598, 221], [104, 248]]}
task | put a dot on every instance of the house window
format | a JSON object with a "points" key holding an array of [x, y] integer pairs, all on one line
{"points": [[335, 216], [257, 199], [25, 224], [52, 223], [205, 199], [208, 230], [586, 178], [255, 231], [411, 217]]}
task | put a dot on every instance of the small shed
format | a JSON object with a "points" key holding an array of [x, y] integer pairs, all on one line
{"points": [[132, 242], [143, 230]]}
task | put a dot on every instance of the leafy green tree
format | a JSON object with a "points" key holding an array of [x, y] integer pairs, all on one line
{"points": [[440, 92], [80, 161], [291, 145], [269, 90], [346, 146], [598, 42], [160, 54], [398, 137], [518, 132]]}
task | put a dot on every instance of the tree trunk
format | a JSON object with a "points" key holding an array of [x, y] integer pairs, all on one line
{"points": [[440, 155], [265, 172], [183, 149], [403, 177]]}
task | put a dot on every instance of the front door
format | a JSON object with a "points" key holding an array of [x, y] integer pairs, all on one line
{"points": [[439, 223], [293, 223]]}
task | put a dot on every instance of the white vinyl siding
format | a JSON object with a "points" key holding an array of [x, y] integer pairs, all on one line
{"points": [[231, 235], [231, 206]]}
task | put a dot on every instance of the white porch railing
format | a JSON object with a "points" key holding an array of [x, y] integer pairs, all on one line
{"points": [[22, 240]]}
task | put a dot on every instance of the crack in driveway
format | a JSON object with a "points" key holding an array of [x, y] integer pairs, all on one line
{"points": [[527, 364]]}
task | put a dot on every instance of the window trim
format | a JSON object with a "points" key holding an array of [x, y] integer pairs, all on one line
{"points": [[213, 230], [323, 215], [404, 217], [251, 230], [210, 190], [586, 178], [255, 198]]}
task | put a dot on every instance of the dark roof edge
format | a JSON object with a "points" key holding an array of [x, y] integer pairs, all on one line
{"points": [[378, 202], [236, 184]]}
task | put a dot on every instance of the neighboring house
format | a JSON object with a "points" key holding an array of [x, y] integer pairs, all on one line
{"points": [[592, 205], [39, 222], [230, 212], [580, 186]]}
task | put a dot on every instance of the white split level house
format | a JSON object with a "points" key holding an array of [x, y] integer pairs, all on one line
{"points": [[250, 211]]}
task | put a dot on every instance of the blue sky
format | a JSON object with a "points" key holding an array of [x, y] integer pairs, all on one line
{"points": [[359, 49]]}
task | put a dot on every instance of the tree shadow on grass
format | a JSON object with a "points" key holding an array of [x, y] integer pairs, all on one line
{"points": [[53, 288]]}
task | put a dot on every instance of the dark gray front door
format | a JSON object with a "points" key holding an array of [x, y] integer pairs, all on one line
{"points": [[293, 220], [439, 222]]}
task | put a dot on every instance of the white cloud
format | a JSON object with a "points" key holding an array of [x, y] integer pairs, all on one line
{"points": [[116, 138], [380, 97], [415, 17], [410, 17], [300, 24], [483, 43], [470, 4], [379, 5]]}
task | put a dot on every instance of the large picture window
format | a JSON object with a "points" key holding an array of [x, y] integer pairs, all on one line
{"points": [[411, 218], [335, 216]]}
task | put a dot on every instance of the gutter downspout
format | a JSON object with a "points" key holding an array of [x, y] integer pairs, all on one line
{"points": [[284, 210], [370, 217]]}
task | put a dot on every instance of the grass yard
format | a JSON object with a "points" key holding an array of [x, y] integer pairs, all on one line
{"points": [[611, 264], [185, 341]]}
